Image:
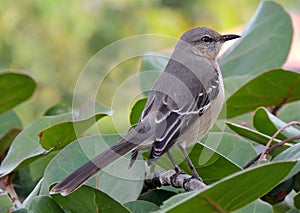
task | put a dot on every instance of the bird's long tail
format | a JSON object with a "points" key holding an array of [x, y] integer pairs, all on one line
{"points": [[89, 169]]}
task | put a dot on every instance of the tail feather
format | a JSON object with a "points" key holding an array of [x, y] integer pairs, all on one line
{"points": [[89, 169]]}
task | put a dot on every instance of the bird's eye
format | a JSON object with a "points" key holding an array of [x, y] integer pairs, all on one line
{"points": [[206, 39]]}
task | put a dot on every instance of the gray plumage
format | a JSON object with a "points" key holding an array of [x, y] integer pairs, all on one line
{"points": [[183, 104]]}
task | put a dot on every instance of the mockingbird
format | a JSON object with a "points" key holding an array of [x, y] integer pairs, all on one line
{"points": [[182, 106]]}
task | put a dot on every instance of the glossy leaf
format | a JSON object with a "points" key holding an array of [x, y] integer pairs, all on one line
{"points": [[297, 201], [220, 155], [157, 196], [7, 139], [278, 194], [257, 137], [26, 145], [60, 135], [136, 111], [287, 112], [87, 199], [272, 88], [257, 206], [232, 192], [231, 147], [214, 168], [10, 127], [41, 204], [37, 167], [297, 182], [141, 206], [250, 133], [268, 124], [21, 210], [9, 120], [262, 46], [153, 63], [292, 153], [114, 180], [5, 203], [15, 88], [33, 194], [57, 110]]}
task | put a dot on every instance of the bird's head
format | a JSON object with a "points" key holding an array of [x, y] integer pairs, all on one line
{"points": [[206, 42]]}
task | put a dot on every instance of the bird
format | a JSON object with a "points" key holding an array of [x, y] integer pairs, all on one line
{"points": [[181, 107]]}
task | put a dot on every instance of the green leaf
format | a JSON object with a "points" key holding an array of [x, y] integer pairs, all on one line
{"points": [[233, 83], [21, 210], [10, 127], [58, 136], [250, 133], [279, 193], [157, 196], [153, 63], [5, 203], [37, 168], [220, 155], [262, 45], [114, 180], [57, 110], [268, 124], [141, 206], [231, 146], [232, 192], [292, 153], [290, 210], [7, 139], [257, 137], [32, 194], [41, 204], [26, 147], [210, 165], [297, 201], [137, 110], [87, 199], [287, 112], [272, 88], [257, 206], [9, 120], [297, 182], [15, 88], [23, 180]]}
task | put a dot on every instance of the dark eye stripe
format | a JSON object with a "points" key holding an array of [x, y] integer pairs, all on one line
{"points": [[206, 39]]}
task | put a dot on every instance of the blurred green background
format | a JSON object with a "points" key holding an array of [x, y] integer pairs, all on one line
{"points": [[53, 40]]}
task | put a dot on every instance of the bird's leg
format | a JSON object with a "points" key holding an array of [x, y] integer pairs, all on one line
{"points": [[190, 164], [177, 170]]}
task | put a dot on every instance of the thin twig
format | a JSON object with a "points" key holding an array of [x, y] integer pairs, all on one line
{"points": [[271, 149], [292, 123], [6, 182]]}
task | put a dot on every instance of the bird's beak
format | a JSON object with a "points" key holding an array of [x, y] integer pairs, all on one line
{"points": [[229, 37]]}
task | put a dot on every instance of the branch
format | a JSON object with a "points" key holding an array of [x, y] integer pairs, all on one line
{"points": [[8, 187], [176, 179], [292, 123], [271, 149]]}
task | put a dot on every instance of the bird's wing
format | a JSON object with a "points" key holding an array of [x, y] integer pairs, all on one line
{"points": [[172, 118]]}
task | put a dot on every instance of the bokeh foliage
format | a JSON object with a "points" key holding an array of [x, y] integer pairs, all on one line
{"points": [[54, 40], [54, 43]]}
